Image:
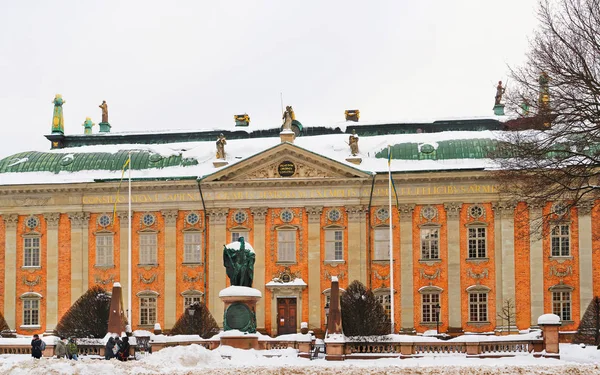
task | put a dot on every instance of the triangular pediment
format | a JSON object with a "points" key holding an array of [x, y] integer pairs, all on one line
{"points": [[287, 161]]}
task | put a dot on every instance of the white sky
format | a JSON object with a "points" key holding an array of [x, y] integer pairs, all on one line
{"points": [[193, 64]]}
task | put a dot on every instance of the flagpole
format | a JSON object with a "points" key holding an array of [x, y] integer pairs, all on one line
{"points": [[391, 236], [129, 246]]}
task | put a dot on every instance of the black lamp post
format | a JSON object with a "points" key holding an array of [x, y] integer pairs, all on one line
{"points": [[192, 311], [436, 309], [326, 316]]}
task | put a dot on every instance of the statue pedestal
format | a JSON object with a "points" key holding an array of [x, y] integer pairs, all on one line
{"points": [[219, 163], [287, 136], [499, 109], [104, 127], [240, 314], [354, 160]]}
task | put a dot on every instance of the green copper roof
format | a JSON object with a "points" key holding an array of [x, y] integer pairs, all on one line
{"points": [[34, 161], [450, 149]]}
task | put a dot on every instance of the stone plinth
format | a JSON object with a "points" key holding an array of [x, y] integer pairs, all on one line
{"points": [[104, 127], [499, 109], [240, 308], [550, 323], [287, 136], [219, 163], [354, 160]]}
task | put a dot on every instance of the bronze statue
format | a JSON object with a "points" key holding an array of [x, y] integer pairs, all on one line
{"points": [[104, 107], [221, 142], [239, 264], [353, 142], [499, 92], [288, 117]]}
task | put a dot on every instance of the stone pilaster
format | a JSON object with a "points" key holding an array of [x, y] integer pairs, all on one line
{"points": [[586, 288], [357, 251], [406, 267], [454, 286], [10, 269], [504, 232], [536, 265], [51, 270], [217, 222], [259, 214], [314, 266], [123, 255], [79, 254], [170, 218]]}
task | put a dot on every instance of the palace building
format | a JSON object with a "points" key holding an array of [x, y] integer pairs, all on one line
{"points": [[313, 203]]}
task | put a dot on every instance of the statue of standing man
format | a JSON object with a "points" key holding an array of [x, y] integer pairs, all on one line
{"points": [[104, 107], [353, 142], [221, 142], [288, 117], [499, 92], [239, 264]]}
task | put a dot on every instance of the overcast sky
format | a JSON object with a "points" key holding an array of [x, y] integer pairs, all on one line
{"points": [[194, 64]]}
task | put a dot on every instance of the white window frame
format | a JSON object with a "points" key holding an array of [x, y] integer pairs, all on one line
{"points": [[31, 305], [32, 251], [381, 243], [286, 245], [192, 296], [148, 307], [562, 301], [384, 297], [428, 302], [192, 247], [430, 243], [148, 248], [477, 243], [479, 303], [334, 244], [560, 242], [105, 250]]}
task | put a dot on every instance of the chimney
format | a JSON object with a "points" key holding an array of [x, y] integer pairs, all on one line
{"points": [[352, 115], [242, 120]]}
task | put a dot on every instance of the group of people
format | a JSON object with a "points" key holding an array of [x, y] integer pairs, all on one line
{"points": [[115, 348]]}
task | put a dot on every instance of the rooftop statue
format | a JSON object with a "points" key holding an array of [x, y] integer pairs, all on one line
{"points": [[221, 142], [104, 107], [87, 126], [288, 117], [353, 142], [239, 264], [58, 122], [499, 92]]}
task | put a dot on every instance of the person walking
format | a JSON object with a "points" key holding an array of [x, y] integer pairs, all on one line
{"points": [[72, 350], [109, 349], [60, 348], [36, 347]]}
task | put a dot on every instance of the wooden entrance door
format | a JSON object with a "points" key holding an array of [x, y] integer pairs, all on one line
{"points": [[286, 315]]}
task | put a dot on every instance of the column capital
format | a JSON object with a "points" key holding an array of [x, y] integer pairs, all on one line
{"points": [[406, 210], [452, 209], [52, 220], [123, 217], [504, 209], [217, 215], [314, 213], [356, 213], [170, 216], [259, 214], [79, 219], [11, 220], [584, 208]]}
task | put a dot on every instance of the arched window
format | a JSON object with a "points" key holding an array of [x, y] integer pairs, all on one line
{"points": [[430, 298], [31, 309], [192, 296], [478, 303], [561, 301], [148, 306]]}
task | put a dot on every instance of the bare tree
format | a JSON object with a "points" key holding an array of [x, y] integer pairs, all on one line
{"points": [[588, 331], [507, 313], [88, 317], [362, 314], [556, 94], [200, 322]]}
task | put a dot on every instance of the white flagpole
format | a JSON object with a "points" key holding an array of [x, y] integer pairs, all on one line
{"points": [[391, 237], [129, 247]]}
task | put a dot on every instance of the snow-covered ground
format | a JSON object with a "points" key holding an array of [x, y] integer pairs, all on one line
{"points": [[195, 359]]}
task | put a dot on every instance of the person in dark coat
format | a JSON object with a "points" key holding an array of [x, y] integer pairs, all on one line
{"points": [[36, 347], [109, 349], [123, 352]]}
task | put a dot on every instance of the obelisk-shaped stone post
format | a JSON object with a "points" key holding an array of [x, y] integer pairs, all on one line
{"points": [[335, 341], [116, 315]]}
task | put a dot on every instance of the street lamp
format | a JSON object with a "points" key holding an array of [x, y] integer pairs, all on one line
{"points": [[192, 311], [436, 309], [326, 316]]}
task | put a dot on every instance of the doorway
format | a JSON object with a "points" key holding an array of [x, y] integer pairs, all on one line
{"points": [[286, 315]]}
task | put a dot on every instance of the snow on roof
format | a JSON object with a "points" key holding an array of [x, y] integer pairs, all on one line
{"points": [[296, 282], [332, 146], [240, 291]]}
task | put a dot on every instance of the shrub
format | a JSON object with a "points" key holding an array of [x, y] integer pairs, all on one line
{"points": [[362, 314], [587, 332], [88, 317], [200, 323], [3, 325]]}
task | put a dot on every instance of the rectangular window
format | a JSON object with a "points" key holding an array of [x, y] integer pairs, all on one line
{"points": [[386, 302], [31, 312], [191, 247], [190, 300], [382, 244], [429, 301], [148, 248], [334, 245], [31, 252], [286, 246], [430, 243], [147, 311], [477, 242], [104, 250], [561, 304], [478, 307], [560, 241]]}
